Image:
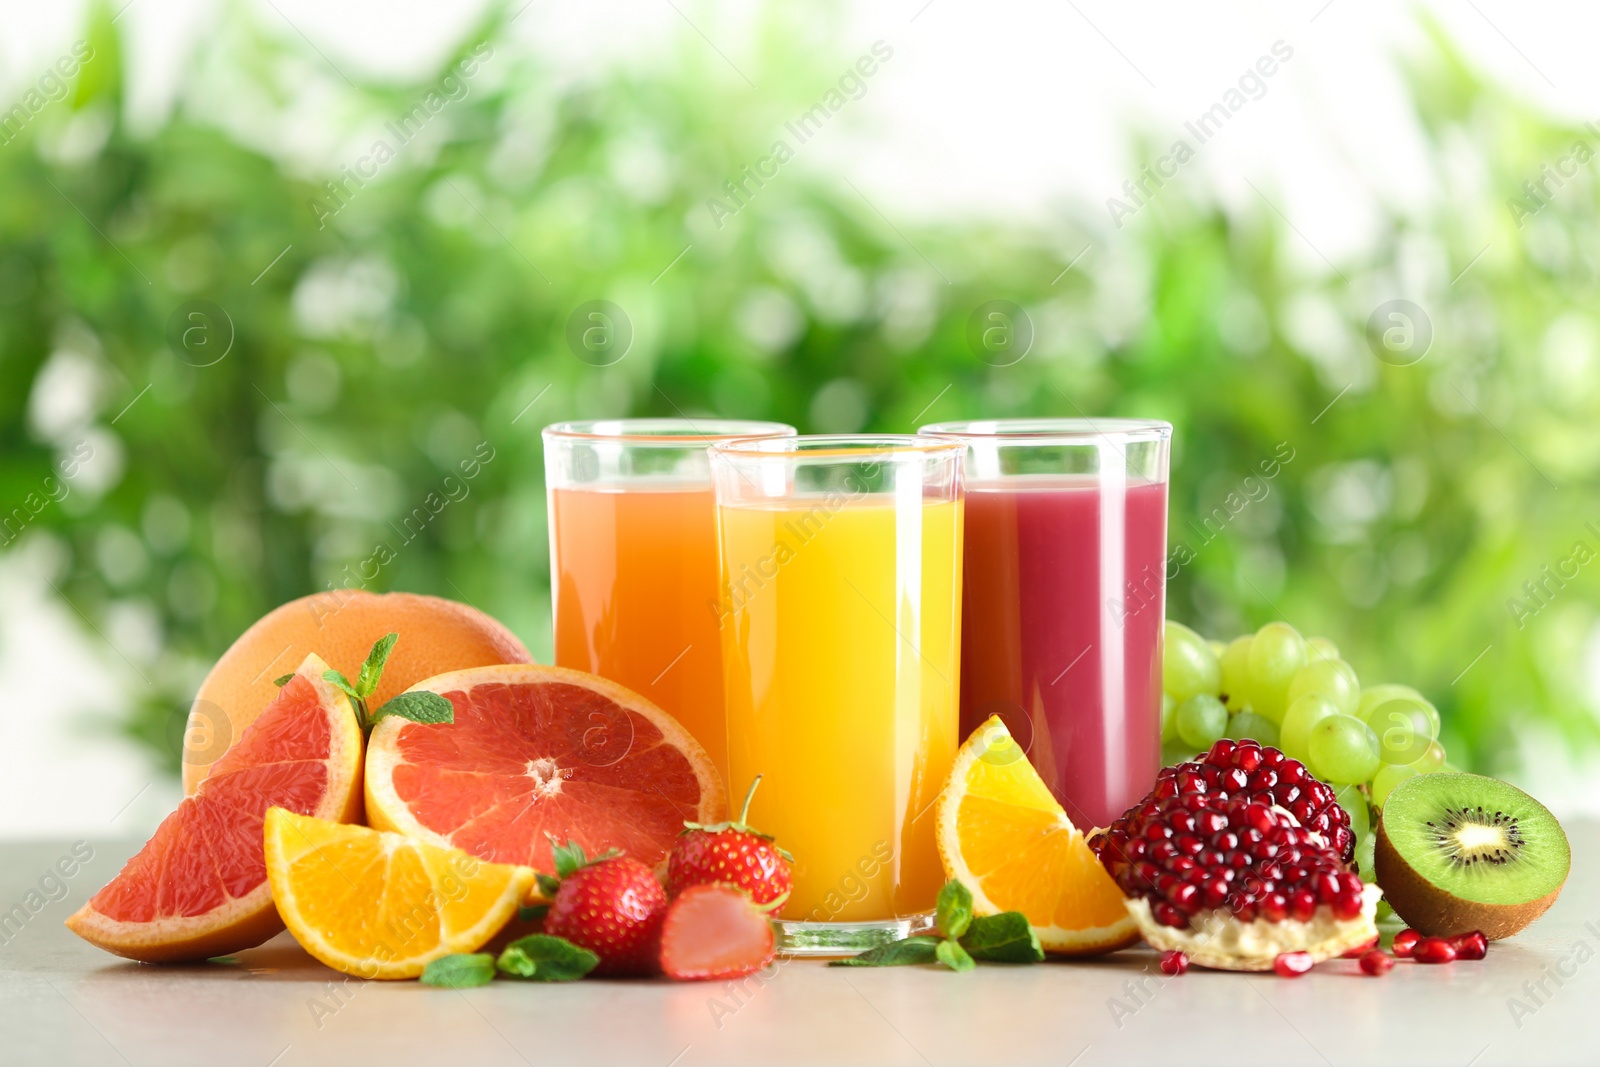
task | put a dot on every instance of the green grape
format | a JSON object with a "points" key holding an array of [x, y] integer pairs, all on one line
{"points": [[1169, 718], [1202, 720], [1365, 860], [1403, 727], [1236, 672], [1177, 752], [1378, 694], [1217, 647], [1342, 749], [1276, 653], [1249, 724], [1431, 760], [1188, 667], [1388, 777], [1355, 805], [1320, 648], [1303, 714], [1333, 678]]}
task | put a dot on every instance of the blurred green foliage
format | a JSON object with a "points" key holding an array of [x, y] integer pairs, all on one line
{"points": [[373, 350]]}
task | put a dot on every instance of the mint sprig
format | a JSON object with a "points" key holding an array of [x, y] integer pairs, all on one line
{"points": [[416, 706], [547, 958], [460, 971], [964, 938]]}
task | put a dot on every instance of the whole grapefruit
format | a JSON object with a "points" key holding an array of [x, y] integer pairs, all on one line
{"points": [[436, 636]]}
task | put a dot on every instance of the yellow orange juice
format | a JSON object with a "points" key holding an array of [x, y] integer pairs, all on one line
{"points": [[635, 591], [840, 653]]}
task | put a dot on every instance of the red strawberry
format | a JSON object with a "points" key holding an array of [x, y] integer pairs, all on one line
{"points": [[714, 931], [611, 905], [732, 853]]}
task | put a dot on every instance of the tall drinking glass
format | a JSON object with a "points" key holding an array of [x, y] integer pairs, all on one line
{"points": [[841, 593], [1064, 597], [633, 560]]}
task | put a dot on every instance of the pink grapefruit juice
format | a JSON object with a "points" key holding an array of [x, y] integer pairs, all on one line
{"points": [[1063, 600]]}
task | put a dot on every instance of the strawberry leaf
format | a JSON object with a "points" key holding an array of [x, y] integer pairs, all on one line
{"points": [[904, 953], [418, 707], [548, 885], [953, 956], [545, 958], [954, 910], [372, 669], [568, 857], [460, 971]]}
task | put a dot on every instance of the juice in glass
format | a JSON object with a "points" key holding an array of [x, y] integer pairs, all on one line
{"points": [[840, 655], [633, 560], [1064, 597]]}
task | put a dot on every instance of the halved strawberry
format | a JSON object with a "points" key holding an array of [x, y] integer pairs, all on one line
{"points": [[714, 931], [611, 905], [734, 854]]}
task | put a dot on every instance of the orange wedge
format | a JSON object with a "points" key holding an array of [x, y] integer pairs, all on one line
{"points": [[1003, 836], [380, 905]]}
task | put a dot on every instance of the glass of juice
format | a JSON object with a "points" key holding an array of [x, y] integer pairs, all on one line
{"points": [[633, 560], [841, 595], [1064, 596]]}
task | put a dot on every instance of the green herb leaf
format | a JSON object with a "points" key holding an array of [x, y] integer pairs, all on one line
{"points": [[953, 956], [895, 954], [545, 958], [529, 913], [461, 971], [548, 884], [418, 707], [283, 681], [341, 683], [954, 912], [1003, 938], [372, 669], [569, 857]]}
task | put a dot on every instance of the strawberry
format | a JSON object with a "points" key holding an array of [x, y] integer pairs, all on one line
{"points": [[611, 905], [714, 931], [733, 853]]}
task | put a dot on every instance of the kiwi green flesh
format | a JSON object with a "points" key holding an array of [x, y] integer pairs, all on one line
{"points": [[1461, 852]]}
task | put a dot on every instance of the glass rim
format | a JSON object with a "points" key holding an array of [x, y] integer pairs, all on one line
{"points": [[1046, 429], [656, 430], [834, 446]]}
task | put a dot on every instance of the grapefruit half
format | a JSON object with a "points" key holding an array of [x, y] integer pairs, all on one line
{"points": [[436, 635], [536, 751], [199, 887]]}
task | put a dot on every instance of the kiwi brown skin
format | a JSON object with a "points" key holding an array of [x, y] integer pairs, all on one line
{"points": [[1432, 912]]}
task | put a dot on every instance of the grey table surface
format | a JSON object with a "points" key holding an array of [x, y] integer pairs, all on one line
{"points": [[1533, 1001]]}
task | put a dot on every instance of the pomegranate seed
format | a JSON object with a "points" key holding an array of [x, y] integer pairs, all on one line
{"points": [[1166, 788], [1221, 752], [1376, 962], [1360, 950], [1405, 942], [1293, 964], [1434, 950], [1234, 779], [1174, 963], [1248, 758], [1302, 905], [1473, 946], [1275, 907], [1185, 897]]}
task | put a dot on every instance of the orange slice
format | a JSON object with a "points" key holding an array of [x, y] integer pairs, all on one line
{"points": [[1004, 837], [536, 751], [380, 905], [199, 888]]}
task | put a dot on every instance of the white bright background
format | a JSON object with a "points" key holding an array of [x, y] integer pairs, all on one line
{"points": [[995, 108]]}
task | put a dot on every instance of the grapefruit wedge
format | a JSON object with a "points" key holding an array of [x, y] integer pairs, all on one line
{"points": [[199, 887], [536, 751]]}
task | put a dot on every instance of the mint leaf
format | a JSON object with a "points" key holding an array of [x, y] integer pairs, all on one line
{"points": [[461, 971], [534, 912], [548, 885], [953, 956], [1003, 938], [283, 681], [545, 958], [418, 707], [341, 683], [895, 954], [954, 912], [372, 669]]}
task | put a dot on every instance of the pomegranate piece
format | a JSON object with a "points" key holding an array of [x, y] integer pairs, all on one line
{"points": [[1376, 962], [1293, 964], [1360, 950], [1473, 946], [1405, 942], [1434, 950], [1174, 963]]}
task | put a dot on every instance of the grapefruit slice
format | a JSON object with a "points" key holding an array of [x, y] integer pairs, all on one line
{"points": [[379, 905], [199, 887], [1003, 836], [536, 751]]}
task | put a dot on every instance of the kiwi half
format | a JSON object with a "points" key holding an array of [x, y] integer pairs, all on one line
{"points": [[1461, 852]]}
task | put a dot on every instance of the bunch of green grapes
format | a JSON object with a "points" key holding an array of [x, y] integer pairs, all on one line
{"points": [[1298, 695]]}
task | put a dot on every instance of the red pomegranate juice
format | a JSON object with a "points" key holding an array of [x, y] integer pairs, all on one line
{"points": [[1062, 607]]}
